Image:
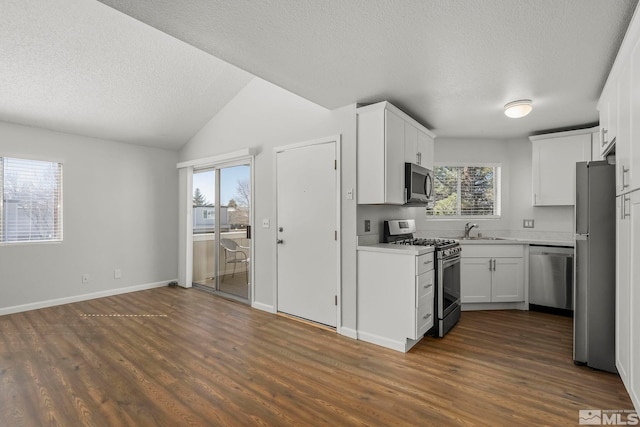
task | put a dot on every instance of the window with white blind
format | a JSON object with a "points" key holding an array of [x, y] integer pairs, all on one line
{"points": [[31, 209], [467, 191]]}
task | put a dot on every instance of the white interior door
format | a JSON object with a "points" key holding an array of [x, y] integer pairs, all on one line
{"points": [[307, 267]]}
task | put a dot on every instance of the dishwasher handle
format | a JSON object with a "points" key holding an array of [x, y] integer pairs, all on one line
{"points": [[555, 254]]}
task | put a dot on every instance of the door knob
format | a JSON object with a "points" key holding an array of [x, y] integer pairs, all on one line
{"points": [[279, 241], [281, 229]]}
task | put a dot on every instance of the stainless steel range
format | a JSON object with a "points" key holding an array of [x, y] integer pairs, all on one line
{"points": [[447, 273]]}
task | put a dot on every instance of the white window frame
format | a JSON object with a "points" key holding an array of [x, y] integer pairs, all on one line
{"points": [[498, 184], [60, 212]]}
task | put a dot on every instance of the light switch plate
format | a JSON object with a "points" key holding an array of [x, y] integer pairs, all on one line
{"points": [[527, 223], [367, 225]]}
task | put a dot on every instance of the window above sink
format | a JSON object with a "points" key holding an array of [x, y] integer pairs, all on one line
{"points": [[467, 191]]}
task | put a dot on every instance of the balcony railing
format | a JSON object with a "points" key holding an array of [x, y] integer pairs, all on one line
{"points": [[204, 252]]}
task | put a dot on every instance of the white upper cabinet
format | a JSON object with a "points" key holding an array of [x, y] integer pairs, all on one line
{"points": [[554, 161], [619, 108], [418, 146], [380, 157], [387, 138], [411, 152], [425, 149], [608, 107], [634, 119], [623, 137]]}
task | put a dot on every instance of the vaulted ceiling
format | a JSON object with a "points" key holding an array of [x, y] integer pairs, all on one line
{"points": [[84, 67], [81, 67]]}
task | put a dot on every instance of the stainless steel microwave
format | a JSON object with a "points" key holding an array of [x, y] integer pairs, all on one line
{"points": [[418, 186]]}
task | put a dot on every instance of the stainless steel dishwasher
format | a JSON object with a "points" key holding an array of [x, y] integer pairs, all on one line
{"points": [[551, 276]]}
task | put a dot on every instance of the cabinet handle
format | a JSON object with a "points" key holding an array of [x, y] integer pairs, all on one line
{"points": [[490, 264], [625, 172], [626, 212], [427, 262], [427, 286], [425, 317], [494, 265]]}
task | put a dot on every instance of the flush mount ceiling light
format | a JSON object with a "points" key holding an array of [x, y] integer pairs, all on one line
{"points": [[517, 109]]}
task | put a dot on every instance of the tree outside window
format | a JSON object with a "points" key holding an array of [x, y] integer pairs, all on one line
{"points": [[467, 191]]}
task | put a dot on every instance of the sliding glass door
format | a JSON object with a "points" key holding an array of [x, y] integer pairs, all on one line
{"points": [[222, 229]]}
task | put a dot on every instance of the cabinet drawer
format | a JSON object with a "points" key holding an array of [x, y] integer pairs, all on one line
{"points": [[424, 288], [424, 320], [492, 251], [424, 263]]}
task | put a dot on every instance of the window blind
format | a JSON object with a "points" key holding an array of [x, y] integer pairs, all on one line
{"points": [[467, 191], [31, 200]]}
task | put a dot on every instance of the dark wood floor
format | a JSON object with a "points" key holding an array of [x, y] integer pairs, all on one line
{"points": [[176, 357]]}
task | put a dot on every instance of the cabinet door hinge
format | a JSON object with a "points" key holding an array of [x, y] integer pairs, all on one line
{"points": [[335, 299], [335, 165]]}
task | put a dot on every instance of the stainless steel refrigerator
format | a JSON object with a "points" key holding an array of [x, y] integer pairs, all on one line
{"points": [[594, 293]]}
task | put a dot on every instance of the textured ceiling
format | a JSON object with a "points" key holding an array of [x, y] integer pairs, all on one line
{"points": [[452, 64], [82, 67]]}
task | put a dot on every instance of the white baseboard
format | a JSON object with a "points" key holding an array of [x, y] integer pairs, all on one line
{"points": [[83, 297], [494, 306], [383, 341], [348, 332], [263, 307]]}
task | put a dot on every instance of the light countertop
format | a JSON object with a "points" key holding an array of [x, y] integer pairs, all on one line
{"points": [[397, 249], [513, 241]]}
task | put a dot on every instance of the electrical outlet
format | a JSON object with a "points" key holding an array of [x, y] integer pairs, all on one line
{"points": [[527, 223], [350, 194], [367, 225], [265, 223], [117, 273], [85, 279]]}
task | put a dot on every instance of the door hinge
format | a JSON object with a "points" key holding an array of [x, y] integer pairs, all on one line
{"points": [[335, 165], [335, 299]]}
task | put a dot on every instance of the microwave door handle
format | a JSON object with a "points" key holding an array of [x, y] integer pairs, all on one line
{"points": [[428, 186]]}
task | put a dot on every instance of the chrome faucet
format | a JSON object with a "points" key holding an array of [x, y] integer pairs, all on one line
{"points": [[467, 228]]}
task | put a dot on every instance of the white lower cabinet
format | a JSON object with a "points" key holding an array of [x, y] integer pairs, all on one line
{"points": [[633, 333], [623, 287], [492, 273], [395, 298]]}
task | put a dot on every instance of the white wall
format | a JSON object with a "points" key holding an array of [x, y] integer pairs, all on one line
{"points": [[120, 211], [555, 223], [264, 116]]}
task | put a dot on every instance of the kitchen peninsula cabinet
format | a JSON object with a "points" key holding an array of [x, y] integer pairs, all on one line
{"points": [[554, 158], [387, 138], [395, 295], [492, 273]]}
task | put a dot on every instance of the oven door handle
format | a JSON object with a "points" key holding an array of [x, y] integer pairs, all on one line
{"points": [[450, 261]]}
